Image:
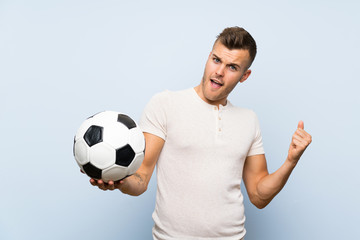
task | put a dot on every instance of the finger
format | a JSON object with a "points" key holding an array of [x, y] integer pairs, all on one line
{"points": [[111, 185], [297, 137], [298, 144], [101, 184], [300, 132], [304, 135], [301, 124], [93, 182], [299, 140]]}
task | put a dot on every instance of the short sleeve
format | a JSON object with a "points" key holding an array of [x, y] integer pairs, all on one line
{"points": [[153, 119], [257, 145]]}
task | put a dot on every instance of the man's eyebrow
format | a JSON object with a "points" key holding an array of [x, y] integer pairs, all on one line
{"points": [[230, 64], [216, 56]]}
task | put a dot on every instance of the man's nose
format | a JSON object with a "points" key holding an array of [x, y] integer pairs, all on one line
{"points": [[220, 70]]}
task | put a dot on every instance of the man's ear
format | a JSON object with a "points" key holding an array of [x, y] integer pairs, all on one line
{"points": [[245, 76]]}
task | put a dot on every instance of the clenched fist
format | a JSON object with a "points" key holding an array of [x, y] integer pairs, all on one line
{"points": [[300, 141]]}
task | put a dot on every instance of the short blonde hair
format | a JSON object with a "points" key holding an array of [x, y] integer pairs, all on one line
{"points": [[238, 38]]}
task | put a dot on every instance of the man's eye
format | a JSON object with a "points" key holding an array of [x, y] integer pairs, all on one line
{"points": [[216, 60], [232, 68]]}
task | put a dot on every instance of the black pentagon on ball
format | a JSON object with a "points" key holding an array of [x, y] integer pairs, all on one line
{"points": [[126, 120], [124, 156], [92, 171], [93, 135]]}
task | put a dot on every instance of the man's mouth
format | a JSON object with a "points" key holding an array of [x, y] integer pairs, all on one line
{"points": [[216, 83]]}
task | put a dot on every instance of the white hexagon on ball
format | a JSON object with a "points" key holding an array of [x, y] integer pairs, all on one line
{"points": [[116, 134], [114, 173], [102, 155]]}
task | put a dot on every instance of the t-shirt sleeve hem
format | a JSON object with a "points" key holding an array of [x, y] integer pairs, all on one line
{"points": [[254, 152], [157, 133]]}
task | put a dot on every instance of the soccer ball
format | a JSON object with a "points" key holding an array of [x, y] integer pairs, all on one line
{"points": [[109, 146]]}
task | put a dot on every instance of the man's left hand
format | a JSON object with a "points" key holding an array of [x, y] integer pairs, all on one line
{"points": [[300, 141]]}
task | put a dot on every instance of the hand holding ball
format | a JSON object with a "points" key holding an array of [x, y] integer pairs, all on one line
{"points": [[109, 146]]}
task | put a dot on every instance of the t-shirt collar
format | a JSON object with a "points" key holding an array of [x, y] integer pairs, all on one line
{"points": [[208, 105]]}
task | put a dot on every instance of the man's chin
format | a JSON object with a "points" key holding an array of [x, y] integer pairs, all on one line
{"points": [[213, 99]]}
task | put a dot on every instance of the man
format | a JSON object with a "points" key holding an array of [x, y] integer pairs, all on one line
{"points": [[203, 147]]}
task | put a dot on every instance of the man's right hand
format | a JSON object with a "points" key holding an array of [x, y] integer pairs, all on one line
{"points": [[111, 185], [133, 185]]}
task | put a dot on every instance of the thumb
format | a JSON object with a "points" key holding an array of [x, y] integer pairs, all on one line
{"points": [[301, 125]]}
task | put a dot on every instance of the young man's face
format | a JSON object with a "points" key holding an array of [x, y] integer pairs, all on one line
{"points": [[223, 71]]}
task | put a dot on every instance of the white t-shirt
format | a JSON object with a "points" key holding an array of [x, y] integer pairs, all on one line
{"points": [[199, 170]]}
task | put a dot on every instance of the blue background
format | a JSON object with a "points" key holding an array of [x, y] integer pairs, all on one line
{"points": [[62, 61]]}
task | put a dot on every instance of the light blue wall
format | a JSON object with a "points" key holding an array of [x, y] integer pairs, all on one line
{"points": [[61, 61]]}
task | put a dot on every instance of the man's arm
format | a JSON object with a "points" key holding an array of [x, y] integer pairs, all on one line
{"points": [[137, 183], [261, 186]]}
